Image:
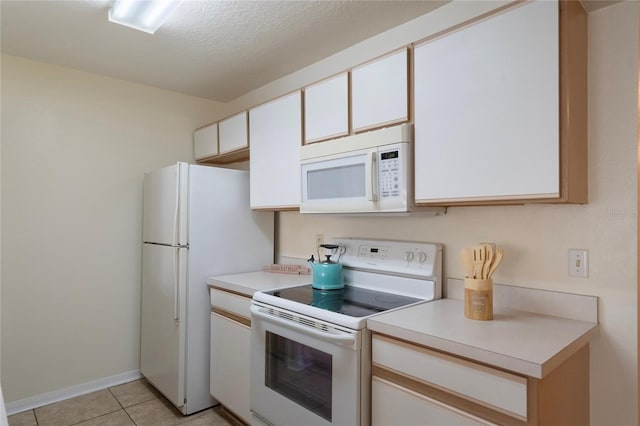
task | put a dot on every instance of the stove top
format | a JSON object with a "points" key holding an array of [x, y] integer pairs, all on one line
{"points": [[352, 301], [379, 275]]}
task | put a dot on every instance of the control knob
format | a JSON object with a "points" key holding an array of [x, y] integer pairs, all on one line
{"points": [[408, 256]]}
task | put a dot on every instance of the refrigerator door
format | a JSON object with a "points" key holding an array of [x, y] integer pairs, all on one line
{"points": [[225, 237], [163, 320], [165, 205]]}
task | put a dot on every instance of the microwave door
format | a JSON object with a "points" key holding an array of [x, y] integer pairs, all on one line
{"points": [[344, 183]]}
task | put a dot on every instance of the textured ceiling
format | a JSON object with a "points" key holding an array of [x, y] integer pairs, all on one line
{"points": [[212, 49]]}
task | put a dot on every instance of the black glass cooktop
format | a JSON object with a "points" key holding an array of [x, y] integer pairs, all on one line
{"points": [[351, 301]]}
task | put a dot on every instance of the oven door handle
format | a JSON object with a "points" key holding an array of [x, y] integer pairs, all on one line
{"points": [[344, 339]]}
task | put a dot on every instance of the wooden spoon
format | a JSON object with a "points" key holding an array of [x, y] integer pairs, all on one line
{"points": [[487, 262], [478, 261], [496, 261]]}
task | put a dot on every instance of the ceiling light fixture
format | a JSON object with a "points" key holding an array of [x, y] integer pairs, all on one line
{"points": [[143, 15]]}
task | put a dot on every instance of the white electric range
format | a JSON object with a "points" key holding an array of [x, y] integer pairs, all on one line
{"points": [[310, 349]]}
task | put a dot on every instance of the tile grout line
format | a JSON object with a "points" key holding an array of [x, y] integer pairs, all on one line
{"points": [[122, 406]]}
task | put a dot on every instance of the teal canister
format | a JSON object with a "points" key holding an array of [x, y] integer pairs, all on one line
{"points": [[327, 275]]}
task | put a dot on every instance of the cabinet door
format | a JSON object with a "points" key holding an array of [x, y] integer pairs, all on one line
{"points": [[326, 109], [379, 92], [487, 109], [392, 404], [233, 133], [205, 142], [230, 351], [275, 131]]}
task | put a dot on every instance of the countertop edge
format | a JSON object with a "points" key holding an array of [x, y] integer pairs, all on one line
{"points": [[474, 353]]}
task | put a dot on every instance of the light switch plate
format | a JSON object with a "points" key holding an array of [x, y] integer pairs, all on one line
{"points": [[578, 263]]}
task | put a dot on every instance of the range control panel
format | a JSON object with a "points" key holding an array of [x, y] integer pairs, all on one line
{"points": [[401, 257]]}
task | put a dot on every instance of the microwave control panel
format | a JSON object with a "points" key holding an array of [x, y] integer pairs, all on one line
{"points": [[391, 172]]}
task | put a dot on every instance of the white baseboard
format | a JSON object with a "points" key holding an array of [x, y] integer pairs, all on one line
{"points": [[70, 392]]}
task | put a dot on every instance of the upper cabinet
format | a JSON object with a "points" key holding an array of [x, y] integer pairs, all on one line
{"points": [[326, 109], [500, 109], [222, 142], [380, 92], [498, 103], [205, 142], [233, 133], [275, 131]]}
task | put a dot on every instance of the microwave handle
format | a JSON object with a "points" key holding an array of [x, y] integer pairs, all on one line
{"points": [[371, 172]]}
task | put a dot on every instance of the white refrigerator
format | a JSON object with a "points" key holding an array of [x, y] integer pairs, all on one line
{"points": [[196, 223]]}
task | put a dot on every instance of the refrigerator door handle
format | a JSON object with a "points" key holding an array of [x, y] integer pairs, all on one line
{"points": [[176, 290], [176, 212]]}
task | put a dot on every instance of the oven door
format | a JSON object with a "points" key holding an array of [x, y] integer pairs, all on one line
{"points": [[346, 182], [303, 371]]}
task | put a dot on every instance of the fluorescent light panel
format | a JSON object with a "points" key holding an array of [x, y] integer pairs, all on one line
{"points": [[143, 15]]}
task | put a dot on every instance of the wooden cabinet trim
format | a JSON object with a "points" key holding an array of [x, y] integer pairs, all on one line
{"points": [[462, 360], [573, 103], [231, 316], [563, 396], [446, 397], [380, 57], [226, 290], [429, 400], [468, 22], [232, 417], [492, 375]]}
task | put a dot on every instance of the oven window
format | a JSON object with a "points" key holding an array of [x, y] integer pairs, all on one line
{"points": [[300, 373], [337, 182]]}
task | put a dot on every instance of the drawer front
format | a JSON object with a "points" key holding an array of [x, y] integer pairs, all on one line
{"points": [[231, 302], [490, 387], [393, 405]]}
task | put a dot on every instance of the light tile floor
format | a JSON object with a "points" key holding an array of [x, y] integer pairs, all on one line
{"points": [[135, 403]]}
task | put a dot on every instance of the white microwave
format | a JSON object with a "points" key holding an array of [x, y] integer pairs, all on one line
{"points": [[364, 173]]}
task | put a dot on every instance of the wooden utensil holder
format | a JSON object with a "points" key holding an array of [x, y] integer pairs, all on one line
{"points": [[478, 299]]}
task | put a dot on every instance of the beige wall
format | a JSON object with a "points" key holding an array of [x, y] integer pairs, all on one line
{"points": [[535, 237], [74, 149]]}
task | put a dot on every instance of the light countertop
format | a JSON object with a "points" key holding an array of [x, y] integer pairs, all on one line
{"points": [[522, 342], [250, 282]]}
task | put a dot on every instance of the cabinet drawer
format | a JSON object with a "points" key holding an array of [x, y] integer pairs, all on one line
{"points": [[392, 404], [231, 302], [490, 387]]}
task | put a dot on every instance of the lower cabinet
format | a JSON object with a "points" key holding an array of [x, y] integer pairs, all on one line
{"points": [[416, 385], [230, 352], [392, 404]]}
